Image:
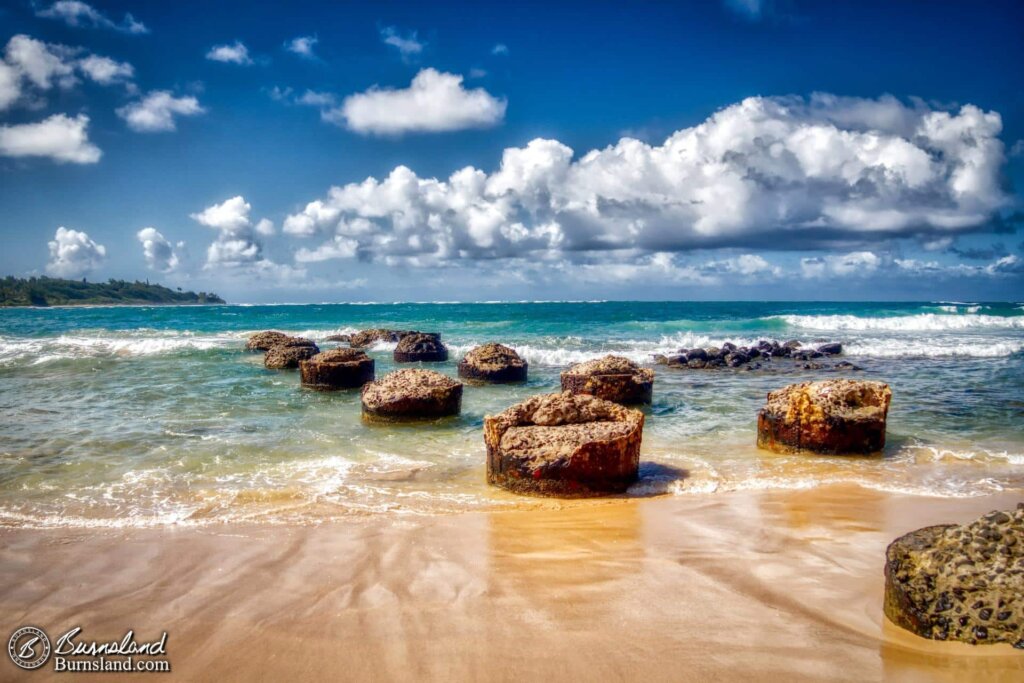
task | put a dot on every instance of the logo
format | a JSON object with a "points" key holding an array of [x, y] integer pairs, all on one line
{"points": [[29, 647]]}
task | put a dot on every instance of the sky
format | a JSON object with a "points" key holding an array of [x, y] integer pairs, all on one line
{"points": [[389, 151]]}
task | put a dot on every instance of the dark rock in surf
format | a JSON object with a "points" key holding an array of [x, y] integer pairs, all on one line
{"points": [[337, 369], [420, 347], [837, 417], [411, 394], [564, 445], [495, 363], [287, 354], [612, 378]]}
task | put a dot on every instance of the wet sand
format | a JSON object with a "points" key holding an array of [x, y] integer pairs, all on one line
{"points": [[737, 586]]}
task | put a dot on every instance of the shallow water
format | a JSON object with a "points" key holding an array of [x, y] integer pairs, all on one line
{"points": [[155, 415]]}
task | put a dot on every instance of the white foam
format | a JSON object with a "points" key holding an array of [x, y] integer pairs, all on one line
{"points": [[921, 322], [43, 350], [949, 347]]}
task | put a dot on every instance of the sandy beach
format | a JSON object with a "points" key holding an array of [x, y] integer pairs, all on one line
{"points": [[744, 585]]}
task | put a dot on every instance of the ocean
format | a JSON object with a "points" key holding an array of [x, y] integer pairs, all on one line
{"points": [[152, 416]]}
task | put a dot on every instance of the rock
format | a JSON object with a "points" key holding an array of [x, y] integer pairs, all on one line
{"points": [[836, 416], [420, 347], [564, 445], [338, 338], [696, 364], [960, 582], [411, 394], [713, 351], [364, 338], [337, 369], [833, 349], [677, 360], [287, 354], [262, 341], [847, 365], [612, 378], [792, 344], [493, 363], [697, 354], [728, 347]]}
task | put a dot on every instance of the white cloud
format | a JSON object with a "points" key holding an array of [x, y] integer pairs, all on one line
{"points": [[303, 46], [231, 54], [159, 253], [407, 45], [10, 85], [265, 226], [73, 254], [59, 137], [858, 263], [80, 14], [786, 173], [40, 63], [31, 67], [156, 111], [499, 49], [237, 249], [338, 248], [106, 71], [313, 98], [434, 102]]}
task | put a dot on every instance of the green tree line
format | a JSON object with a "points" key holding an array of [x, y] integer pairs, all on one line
{"points": [[49, 291]]}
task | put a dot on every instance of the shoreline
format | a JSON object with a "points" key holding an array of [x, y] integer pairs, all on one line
{"points": [[753, 585]]}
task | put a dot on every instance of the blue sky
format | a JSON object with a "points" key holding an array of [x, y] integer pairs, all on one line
{"points": [[474, 151]]}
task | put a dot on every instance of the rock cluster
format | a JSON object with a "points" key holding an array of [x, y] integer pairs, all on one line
{"points": [[262, 341], [564, 445], [493, 363], [419, 346], [365, 338], [411, 394], [337, 369], [288, 353], [966, 583], [612, 378], [732, 356], [837, 416]]}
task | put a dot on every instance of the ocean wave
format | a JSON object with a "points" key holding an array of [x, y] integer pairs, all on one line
{"points": [[34, 350], [932, 348], [921, 322]]}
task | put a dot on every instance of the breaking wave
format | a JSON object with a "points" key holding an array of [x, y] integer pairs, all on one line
{"points": [[921, 322]]}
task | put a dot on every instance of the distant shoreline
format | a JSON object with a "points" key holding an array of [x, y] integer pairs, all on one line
{"points": [[133, 304]]}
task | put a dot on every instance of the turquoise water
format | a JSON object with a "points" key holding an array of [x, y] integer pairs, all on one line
{"points": [[156, 415]]}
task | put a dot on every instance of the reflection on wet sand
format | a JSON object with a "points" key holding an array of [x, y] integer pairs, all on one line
{"points": [[740, 586]]}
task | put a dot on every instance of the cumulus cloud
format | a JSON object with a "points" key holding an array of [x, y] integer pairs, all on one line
{"points": [[434, 102], [79, 14], [10, 85], [106, 71], [499, 49], [843, 265], [31, 67], [408, 45], [777, 173], [155, 112], [60, 137], [73, 254], [302, 46], [236, 53], [237, 248], [159, 253], [43, 65]]}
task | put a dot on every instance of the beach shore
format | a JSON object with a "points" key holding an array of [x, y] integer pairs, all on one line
{"points": [[779, 585]]}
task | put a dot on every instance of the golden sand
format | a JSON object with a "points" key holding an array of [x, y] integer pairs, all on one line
{"points": [[773, 586]]}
